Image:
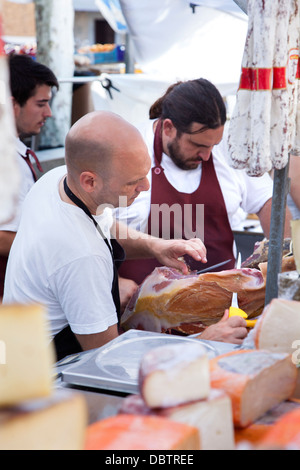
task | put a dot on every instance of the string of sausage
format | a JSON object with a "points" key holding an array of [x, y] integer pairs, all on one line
{"points": [[263, 126]]}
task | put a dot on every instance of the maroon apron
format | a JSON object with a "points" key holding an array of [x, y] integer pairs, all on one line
{"points": [[3, 263], [218, 236]]}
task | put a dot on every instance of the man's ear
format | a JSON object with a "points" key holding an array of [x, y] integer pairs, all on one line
{"points": [[15, 105], [90, 181], [169, 128]]}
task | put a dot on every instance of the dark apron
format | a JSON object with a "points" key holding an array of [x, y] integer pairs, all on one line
{"points": [[218, 236], [65, 342], [3, 263]]}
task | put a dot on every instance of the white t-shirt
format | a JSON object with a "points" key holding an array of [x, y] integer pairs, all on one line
{"points": [[242, 194], [59, 259], [26, 182]]}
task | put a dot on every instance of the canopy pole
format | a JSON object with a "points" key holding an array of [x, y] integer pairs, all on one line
{"points": [[242, 4], [280, 191]]}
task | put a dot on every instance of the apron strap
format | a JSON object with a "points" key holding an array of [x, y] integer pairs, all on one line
{"points": [[65, 341]]}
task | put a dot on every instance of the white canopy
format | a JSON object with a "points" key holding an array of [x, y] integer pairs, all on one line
{"points": [[170, 40]]}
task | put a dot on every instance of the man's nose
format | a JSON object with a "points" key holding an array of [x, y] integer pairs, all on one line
{"points": [[205, 153], [144, 186], [48, 112]]}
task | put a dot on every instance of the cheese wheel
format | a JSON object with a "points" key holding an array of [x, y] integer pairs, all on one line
{"points": [[212, 417], [174, 374], [55, 423], [137, 432], [255, 380], [26, 357]]}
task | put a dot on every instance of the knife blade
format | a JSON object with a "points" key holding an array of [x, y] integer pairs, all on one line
{"points": [[213, 267], [234, 309]]}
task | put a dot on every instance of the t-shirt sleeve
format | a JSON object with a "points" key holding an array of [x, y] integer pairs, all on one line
{"points": [[258, 191], [83, 288]]}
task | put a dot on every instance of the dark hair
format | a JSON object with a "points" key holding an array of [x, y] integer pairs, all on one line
{"points": [[191, 101], [26, 74]]}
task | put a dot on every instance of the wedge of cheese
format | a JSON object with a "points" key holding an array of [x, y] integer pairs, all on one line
{"points": [[255, 380], [174, 374], [55, 423], [212, 417], [278, 330], [284, 434], [278, 327], [138, 432], [26, 359], [289, 285]]}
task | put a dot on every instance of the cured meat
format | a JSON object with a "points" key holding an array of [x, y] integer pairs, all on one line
{"points": [[138, 432], [174, 374], [255, 380], [212, 416], [168, 300], [261, 252], [263, 124]]}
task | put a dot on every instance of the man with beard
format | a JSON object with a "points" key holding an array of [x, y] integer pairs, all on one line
{"points": [[194, 191], [31, 86]]}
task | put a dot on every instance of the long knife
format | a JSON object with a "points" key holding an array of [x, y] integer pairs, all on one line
{"points": [[213, 267], [234, 309]]}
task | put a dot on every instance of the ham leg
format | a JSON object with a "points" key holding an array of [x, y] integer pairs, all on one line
{"points": [[168, 300]]}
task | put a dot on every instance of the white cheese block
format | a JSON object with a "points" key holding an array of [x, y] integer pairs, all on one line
{"points": [[27, 359], [255, 380], [212, 417], [278, 330], [278, 327], [289, 285], [55, 423], [174, 374]]}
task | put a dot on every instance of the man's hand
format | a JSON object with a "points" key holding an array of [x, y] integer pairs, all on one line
{"points": [[169, 252], [228, 330]]}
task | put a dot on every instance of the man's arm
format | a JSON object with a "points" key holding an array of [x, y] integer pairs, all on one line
{"points": [[264, 216], [167, 252], [6, 239], [98, 339]]}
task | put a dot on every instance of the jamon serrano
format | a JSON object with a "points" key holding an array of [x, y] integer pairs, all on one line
{"points": [[168, 300], [263, 127]]}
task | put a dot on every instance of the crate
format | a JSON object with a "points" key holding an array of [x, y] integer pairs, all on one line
{"points": [[116, 55]]}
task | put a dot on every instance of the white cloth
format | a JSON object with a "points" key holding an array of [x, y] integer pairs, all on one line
{"points": [[242, 194], [26, 182], [59, 259]]}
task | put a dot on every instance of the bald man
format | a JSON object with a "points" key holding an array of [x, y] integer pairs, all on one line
{"points": [[64, 255]]}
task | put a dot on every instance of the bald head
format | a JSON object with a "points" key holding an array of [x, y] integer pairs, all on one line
{"points": [[95, 140]]}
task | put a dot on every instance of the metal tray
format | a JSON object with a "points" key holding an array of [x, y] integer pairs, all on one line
{"points": [[115, 366]]}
